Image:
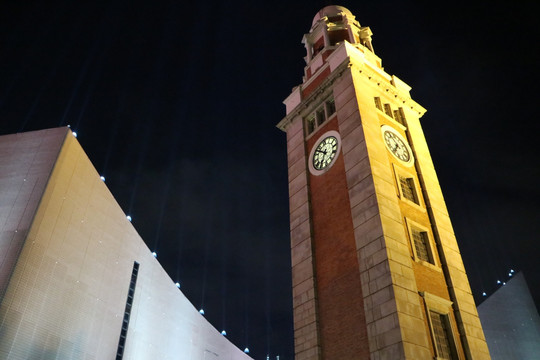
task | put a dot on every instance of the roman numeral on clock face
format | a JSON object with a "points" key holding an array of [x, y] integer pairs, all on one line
{"points": [[325, 153], [397, 145]]}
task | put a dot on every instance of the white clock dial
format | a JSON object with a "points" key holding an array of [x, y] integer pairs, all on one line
{"points": [[324, 153], [397, 145]]}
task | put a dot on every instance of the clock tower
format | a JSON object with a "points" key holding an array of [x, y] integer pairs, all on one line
{"points": [[376, 268]]}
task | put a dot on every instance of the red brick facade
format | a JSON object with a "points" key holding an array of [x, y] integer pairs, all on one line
{"points": [[341, 308]]}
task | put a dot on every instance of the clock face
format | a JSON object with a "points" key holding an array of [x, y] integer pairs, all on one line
{"points": [[397, 145], [325, 152]]}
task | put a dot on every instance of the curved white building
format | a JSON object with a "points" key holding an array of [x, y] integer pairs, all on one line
{"points": [[76, 280]]}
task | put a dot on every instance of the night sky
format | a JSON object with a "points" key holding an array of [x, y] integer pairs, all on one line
{"points": [[176, 105]]}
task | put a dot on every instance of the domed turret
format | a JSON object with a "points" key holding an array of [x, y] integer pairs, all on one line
{"points": [[331, 11], [331, 26]]}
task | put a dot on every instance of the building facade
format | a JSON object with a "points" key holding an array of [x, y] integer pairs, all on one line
{"points": [[76, 280], [376, 268]]}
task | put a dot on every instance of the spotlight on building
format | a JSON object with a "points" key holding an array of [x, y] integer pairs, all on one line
{"points": [[128, 217], [201, 311], [154, 254], [512, 271], [510, 274], [498, 281], [223, 332], [246, 350], [178, 285], [102, 178], [484, 294], [74, 133]]}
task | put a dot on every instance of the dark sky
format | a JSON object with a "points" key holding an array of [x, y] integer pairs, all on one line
{"points": [[176, 105]]}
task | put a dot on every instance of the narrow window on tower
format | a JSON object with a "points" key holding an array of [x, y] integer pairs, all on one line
{"points": [[330, 107], [438, 311], [399, 116], [441, 332], [378, 103], [408, 188], [388, 110], [336, 18], [310, 124], [422, 247], [320, 115], [318, 46], [337, 36]]}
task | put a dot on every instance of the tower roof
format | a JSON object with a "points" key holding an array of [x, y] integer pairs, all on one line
{"points": [[329, 11]]}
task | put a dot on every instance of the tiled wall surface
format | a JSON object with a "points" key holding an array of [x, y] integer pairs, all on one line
{"points": [[26, 162], [67, 293]]}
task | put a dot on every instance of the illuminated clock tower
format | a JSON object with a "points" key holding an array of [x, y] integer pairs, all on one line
{"points": [[377, 272]]}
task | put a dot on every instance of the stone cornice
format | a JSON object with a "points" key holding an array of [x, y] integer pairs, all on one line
{"points": [[379, 78], [306, 102], [392, 87]]}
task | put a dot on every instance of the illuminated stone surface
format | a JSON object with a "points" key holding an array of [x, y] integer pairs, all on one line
{"points": [[360, 290]]}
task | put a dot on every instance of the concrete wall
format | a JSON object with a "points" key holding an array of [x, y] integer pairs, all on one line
{"points": [[67, 293], [26, 163], [511, 322]]}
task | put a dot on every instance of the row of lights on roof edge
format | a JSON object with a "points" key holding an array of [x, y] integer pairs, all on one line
{"points": [[101, 177], [74, 133], [201, 311], [499, 282], [128, 216], [223, 332]]}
